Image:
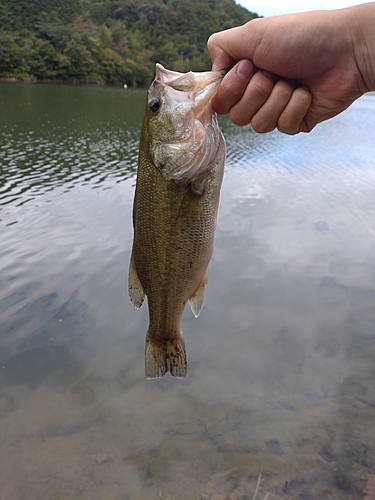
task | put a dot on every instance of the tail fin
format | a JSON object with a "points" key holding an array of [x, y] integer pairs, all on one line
{"points": [[162, 358]]}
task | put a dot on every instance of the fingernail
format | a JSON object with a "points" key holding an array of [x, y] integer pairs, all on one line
{"points": [[244, 69]]}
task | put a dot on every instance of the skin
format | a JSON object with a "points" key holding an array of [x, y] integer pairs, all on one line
{"points": [[294, 71]]}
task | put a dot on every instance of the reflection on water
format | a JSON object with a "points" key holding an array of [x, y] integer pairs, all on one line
{"points": [[63, 136], [281, 362]]}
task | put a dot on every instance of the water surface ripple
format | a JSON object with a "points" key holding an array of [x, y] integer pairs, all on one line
{"points": [[281, 362]]}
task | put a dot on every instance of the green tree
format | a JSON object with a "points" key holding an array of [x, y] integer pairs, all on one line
{"points": [[81, 61], [112, 40], [62, 66], [10, 55], [113, 66], [106, 37], [39, 58], [57, 33], [166, 53]]}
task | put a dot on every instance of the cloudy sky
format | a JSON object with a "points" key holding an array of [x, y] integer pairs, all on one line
{"points": [[273, 7]]}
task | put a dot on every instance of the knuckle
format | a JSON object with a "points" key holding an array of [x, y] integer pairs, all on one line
{"points": [[304, 97], [259, 89], [230, 90], [284, 90], [221, 108], [287, 125], [212, 41], [288, 130], [239, 119], [262, 126], [291, 119]]}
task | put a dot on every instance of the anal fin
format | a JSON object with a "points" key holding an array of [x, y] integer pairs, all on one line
{"points": [[196, 301], [136, 291], [162, 358]]}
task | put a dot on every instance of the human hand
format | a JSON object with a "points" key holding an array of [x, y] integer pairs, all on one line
{"points": [[294, 71]]}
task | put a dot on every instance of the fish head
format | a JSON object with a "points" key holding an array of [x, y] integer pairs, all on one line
{"points": [[183, 132]]}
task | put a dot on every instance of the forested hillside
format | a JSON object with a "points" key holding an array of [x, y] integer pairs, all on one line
{"points": [[113, 41]]}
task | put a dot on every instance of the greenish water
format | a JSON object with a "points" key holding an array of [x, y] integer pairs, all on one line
{"points": [[281, 375]]}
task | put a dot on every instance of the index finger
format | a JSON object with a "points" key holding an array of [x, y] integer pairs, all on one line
{"points": [[233, 86]]}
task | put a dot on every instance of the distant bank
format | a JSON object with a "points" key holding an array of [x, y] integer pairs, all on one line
{"points": [[113, 42]]}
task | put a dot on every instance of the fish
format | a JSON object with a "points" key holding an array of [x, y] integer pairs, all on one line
{"points": [[180, 171]]}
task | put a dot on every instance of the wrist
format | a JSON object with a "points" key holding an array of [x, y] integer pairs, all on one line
{"points": [[361, 22]]}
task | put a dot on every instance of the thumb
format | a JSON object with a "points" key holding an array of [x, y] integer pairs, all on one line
{"points": [[229, 46]]}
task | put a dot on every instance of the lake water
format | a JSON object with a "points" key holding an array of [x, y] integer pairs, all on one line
{"points": [[281, 375]]}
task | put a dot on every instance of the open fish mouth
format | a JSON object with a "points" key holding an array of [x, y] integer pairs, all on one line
{"points": [[188, 116], [176, 79], [203, 85]]}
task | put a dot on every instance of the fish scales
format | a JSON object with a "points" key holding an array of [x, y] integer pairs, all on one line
{"points": [[174, 221]]}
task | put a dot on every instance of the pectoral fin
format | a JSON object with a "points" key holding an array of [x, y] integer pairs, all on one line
{"points": [[196, 301], [136, 291]]}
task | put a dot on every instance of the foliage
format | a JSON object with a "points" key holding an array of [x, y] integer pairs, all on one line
{"points": [[116, 41]]}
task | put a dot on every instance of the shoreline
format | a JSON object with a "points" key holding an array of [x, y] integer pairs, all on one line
{"points": [[73, 81]]}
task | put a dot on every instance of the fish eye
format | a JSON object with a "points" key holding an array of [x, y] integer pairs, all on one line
{"points": [[154, 104]]}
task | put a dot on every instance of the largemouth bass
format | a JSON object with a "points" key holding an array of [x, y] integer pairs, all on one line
{"points": [[180, 169]]}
